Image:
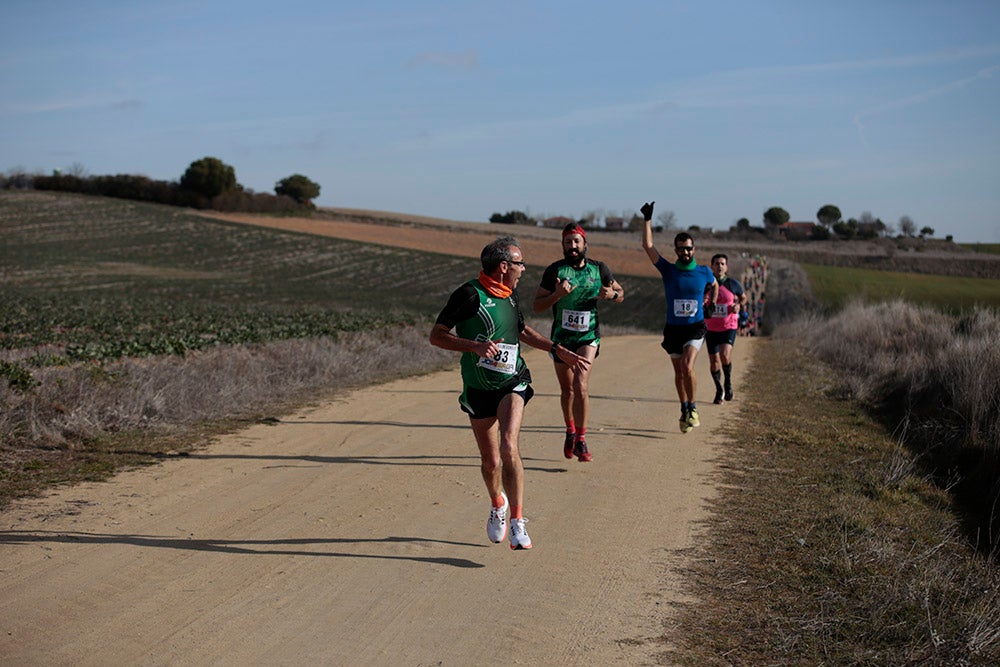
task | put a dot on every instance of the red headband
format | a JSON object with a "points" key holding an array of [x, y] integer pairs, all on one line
{"points": [[574, 230]]}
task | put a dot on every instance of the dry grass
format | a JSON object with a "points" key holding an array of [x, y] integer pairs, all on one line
{"points": [[827, 546], [934, 379], [86, 421]]}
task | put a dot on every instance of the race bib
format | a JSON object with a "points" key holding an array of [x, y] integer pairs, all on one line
{"points": [[504, 362], [721, 310], [576, 320], [685, 307]]}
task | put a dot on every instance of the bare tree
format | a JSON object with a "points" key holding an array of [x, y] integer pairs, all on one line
{"points": [[667, 220], [906, 226]]}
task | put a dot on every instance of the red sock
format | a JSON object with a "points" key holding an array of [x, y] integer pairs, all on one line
{"points": [[570, 427], [515, 512], [579, 434], [498, 501]]}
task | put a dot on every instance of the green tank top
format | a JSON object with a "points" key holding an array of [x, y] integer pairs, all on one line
{"points": [[574, 320], [496, 319]]}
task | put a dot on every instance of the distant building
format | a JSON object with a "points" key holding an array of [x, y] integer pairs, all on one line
{"points": [[557, 222], [797, 231], [614, 224]]}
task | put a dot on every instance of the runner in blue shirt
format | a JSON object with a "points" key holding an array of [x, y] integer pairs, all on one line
{"points": [[685, 287]]}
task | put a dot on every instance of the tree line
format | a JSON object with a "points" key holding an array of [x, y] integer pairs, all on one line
{"points": [[208, 183], [829, 224]]}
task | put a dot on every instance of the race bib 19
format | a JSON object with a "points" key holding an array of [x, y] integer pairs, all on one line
{"points": [[504, 362], [685, 307], [576, 320]]}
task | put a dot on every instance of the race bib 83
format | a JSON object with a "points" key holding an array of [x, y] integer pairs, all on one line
{"points": [[504, 362]]}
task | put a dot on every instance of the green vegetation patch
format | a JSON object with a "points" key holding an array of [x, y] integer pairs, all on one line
{"points": [[990, 248], [834, 286], [89, 278], [93, 279]]}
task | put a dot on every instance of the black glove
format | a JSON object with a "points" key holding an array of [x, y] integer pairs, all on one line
{"points": [[647, 210]]}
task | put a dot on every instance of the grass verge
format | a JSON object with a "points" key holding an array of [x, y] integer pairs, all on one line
{"points": [[826, 545], [85, 423]]}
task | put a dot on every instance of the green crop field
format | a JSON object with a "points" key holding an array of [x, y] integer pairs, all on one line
{"points": [[88, 278], [991, 248], [834, 286]]}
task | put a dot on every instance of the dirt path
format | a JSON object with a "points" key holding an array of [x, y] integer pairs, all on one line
{"points": [[353, 533]]}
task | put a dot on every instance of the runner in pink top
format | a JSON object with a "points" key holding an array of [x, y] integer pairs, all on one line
{"points": [[722, 323]]}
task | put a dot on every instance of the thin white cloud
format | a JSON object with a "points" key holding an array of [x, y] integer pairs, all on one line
{"points": [[759, 87], [918, 98], [943, 57]]}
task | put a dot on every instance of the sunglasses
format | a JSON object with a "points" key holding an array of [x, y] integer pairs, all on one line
{"points": [[689, 248], [511, 261]]}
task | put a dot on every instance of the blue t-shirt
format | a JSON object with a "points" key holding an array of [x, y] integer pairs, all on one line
{"points": [[684, 291]]}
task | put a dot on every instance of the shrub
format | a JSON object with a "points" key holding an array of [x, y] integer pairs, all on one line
{"points": [[209, 177], [298, 187], [936, 379], [18, 377]]}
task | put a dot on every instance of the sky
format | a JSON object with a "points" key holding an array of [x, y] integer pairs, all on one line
{"points": [[715, 110]]}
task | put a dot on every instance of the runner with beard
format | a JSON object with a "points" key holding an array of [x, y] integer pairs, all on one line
{"points": [[688, 288], [571, 287]]}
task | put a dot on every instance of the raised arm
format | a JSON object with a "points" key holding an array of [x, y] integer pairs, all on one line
{"points": [[647, 232]]}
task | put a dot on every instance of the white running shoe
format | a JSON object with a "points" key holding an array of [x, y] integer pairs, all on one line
{"points": [[518, 535], [496, 526]]}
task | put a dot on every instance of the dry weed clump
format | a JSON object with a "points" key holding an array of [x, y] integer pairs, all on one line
{"points": [[85, 401], [935, 378], [77, 416]]}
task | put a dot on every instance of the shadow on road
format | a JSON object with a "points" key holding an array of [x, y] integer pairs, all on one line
{"points": [[243, 547]]}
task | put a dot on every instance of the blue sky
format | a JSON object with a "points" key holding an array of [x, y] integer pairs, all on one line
{"points": [[716, 110]]}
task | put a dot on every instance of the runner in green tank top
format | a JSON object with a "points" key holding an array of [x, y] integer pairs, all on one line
{"points": [[496, 319], [489, 329], [571, 288]]}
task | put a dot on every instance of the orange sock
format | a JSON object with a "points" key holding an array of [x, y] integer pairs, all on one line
{"points": [[498, 501], [515, 512]]}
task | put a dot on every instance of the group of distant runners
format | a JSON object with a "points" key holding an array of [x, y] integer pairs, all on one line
{"points": [[483, 321], [754, 280]]}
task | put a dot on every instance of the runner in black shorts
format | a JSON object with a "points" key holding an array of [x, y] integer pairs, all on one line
{"points": [[685, 286], [488, 330], [723, 322], [571, 288]]}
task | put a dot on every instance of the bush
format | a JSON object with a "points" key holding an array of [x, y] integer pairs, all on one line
{"points": [[257, 202], [18, 378], [298, 187], [935, 379], [512, 218], [209, 177]]}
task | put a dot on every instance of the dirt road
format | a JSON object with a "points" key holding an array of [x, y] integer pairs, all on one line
{"points": [[353, 533]]}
